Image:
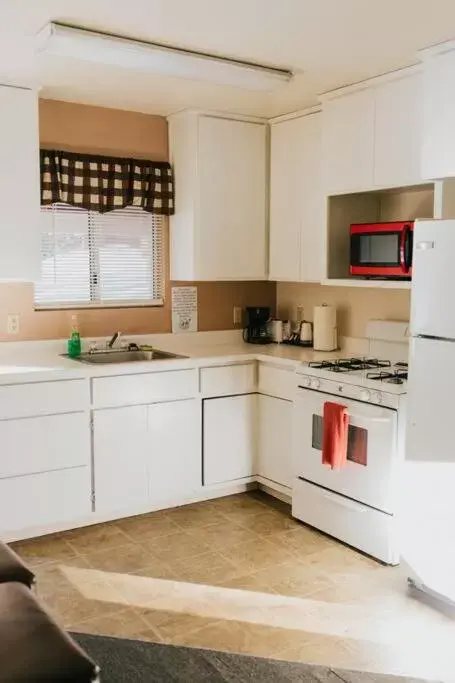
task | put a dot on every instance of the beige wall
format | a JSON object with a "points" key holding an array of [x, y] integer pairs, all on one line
{"points": [[96, 130], [355, 305]]}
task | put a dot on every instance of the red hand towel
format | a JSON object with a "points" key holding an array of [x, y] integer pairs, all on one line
{"points": [[335, 435]]}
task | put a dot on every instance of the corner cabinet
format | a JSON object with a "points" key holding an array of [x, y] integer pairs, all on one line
{"points": [[219, 228], [19, 189], [296, 200], [371, 134], [438, 102]]}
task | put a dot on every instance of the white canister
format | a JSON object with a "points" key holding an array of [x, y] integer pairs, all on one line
{"points": [[325, 336], [276, 330]]}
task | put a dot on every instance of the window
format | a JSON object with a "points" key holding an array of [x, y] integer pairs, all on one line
{"points": [[92, 259]]}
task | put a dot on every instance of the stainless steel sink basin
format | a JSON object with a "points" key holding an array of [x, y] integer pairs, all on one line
{"points": [[115, 356]]}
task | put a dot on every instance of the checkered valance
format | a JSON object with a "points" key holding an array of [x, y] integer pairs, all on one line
{"points": [[103, 184]]}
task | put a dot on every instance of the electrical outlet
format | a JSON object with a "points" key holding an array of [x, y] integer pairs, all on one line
{"points": [[12, 324], [237, 315]]}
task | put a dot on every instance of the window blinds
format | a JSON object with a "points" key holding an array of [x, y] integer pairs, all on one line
{"points": [[90, 259]]}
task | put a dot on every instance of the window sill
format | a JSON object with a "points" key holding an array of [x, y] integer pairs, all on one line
{"points": [[157, 303]]}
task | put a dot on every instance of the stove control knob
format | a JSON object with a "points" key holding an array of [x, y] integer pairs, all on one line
{"points": [[306, 382], [315, 384], [365, 395], [376, 396]]}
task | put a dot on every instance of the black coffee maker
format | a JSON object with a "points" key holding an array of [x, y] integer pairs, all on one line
{"points": [[256, 330]]}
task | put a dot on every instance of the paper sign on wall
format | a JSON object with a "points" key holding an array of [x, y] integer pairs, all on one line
{"points": [[184, 309]]}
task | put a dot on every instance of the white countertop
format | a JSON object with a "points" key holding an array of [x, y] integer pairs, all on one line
{"points": [[26, 362]]}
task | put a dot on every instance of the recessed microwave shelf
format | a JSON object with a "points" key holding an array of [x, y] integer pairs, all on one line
{"points": [[372, 283]]}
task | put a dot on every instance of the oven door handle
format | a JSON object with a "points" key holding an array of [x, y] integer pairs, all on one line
{"points": [[368, 418]]}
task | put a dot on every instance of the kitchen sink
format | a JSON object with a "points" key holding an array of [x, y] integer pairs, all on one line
{"points": [[124, 356]]}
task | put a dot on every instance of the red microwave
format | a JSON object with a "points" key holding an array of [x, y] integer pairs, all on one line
{"points": [[382, 250]]}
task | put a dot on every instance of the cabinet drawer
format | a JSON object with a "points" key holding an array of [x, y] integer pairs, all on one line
{"points": [[44, 500], [353, 523], [277, 382], [228, 380], [44, 398], [39, 444], [147, 388]]}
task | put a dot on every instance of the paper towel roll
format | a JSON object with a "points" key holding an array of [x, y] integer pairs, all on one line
{"points": [[325, 328]]}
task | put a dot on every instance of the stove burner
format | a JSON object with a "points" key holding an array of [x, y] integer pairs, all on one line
{"points": [[395, 377], [350, 364]]}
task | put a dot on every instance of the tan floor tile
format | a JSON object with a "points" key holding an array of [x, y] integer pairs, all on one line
{"points": [[225, 534], [156, 570], [238, 502], [94, 538], [240, 637], [250, 557], [130, 557], [302, 541], [44, 550], [194, 517], [176, 547], [123, 624], [269, 523], [210, 568], [293, 579], [147, 527], [342, 560], [173, 625], [248, 582]]}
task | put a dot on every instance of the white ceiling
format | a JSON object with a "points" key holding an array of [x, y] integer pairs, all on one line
{"points": [[330, 42]]}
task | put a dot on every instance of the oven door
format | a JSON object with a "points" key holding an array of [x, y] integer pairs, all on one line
{"points": [[372, 445], [383, 250]]}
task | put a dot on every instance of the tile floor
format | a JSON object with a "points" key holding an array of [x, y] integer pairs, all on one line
{"points": [[239, 574]]}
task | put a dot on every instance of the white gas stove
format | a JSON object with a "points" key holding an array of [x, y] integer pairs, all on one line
{"points": [[371, 380], [356, 503]]}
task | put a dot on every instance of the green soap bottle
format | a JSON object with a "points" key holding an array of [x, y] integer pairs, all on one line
{"points": [[74, 342]]}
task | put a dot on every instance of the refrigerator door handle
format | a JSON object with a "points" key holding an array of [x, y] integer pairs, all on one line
{"points": [[425, 245]]}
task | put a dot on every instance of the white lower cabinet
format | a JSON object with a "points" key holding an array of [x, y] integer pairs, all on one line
{"points": [[274, 460], [120, 457], [229, 433], [145, 455], [174, 450]]}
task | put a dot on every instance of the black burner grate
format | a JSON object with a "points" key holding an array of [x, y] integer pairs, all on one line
{"points": [[350, 364]]}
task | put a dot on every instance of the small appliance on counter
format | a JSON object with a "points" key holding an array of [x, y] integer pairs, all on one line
{"points": [[325, 334], [382, 250], [257, 328]]}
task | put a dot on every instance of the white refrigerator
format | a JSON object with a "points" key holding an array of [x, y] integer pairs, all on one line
{"points": [[428, 482]]}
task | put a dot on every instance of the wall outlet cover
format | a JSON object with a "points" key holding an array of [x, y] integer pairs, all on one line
{"points": [[12, 324], [237, 315]]}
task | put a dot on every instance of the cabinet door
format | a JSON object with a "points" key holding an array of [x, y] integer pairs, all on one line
{"points": [[120, 454], [285, 200], [398, 132], [348, 142], [310, 191], [438, 138], [174, 450], [232, 199], [19, 189], [229, 438], [275, 440]]}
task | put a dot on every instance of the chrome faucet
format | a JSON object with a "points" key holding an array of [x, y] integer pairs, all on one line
{"points": [[112, 341]]}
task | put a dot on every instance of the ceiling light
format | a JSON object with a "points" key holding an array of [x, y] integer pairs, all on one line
{"points": [[102, 48]]}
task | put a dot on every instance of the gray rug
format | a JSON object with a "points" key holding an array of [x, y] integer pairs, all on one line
{"points": [[133, 661]]}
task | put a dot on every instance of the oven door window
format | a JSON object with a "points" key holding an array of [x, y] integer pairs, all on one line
{"points": [[357, 440], [381, 249]]}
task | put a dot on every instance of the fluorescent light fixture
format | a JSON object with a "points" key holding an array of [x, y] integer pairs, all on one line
{"points": [[102, 48]]}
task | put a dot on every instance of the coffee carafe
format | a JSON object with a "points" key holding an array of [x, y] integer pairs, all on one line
{"points": [[256, 328]]}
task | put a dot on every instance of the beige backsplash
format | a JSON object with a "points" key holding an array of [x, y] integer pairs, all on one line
{"points": [[355, 305], [215, 312]]}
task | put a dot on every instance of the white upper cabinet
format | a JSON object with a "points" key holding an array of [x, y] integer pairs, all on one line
{"points": [[348, 142], [296, 200], [372, 135], [438, 134], [398, 132], [219, 229], [19, 189]]}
